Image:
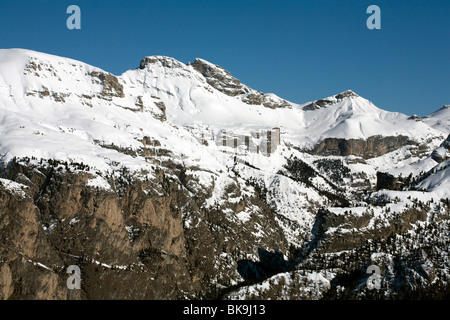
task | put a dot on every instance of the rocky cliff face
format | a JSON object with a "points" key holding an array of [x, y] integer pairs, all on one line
{"points": [[223, 81], [115, 237], [130, 242], [389, 181], [372, 147]]}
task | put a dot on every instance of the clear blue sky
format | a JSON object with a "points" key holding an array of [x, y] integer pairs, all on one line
{"points": [[300, 50]]}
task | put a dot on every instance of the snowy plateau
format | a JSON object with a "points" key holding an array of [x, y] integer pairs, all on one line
{"points": [[177, 181]]}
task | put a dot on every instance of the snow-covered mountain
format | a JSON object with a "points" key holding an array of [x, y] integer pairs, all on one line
{"points": [[64, 106], [183, 166]]}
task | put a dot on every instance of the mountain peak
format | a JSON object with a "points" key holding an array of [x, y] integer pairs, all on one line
{"points": [[346, 94], [325, 102], [164, 61]]}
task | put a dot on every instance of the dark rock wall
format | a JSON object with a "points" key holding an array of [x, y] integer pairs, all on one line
{"points": [[372, 147]]}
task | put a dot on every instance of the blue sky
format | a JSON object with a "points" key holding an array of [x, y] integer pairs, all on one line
{"points": [[300, 50]]}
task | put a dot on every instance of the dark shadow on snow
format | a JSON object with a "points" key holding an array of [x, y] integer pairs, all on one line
{"points": [[269, 263]]}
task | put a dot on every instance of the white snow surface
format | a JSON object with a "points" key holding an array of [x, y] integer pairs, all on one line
{"points": [[439, 182], [98, 182], [14, 187], [439, 119]]}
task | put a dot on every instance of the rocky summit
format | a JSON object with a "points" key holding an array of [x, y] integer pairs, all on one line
{"points": [[177, 181]]}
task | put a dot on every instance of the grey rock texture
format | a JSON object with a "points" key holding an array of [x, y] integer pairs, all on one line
{"points": [[223, 81]]}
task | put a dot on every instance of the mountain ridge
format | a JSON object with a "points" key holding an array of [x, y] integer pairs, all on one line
{"points": [[183, 182], [27, 53], [169, 90]]}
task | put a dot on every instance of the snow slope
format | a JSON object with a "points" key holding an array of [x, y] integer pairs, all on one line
{"points": [[439, 119], [439, 182]]}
